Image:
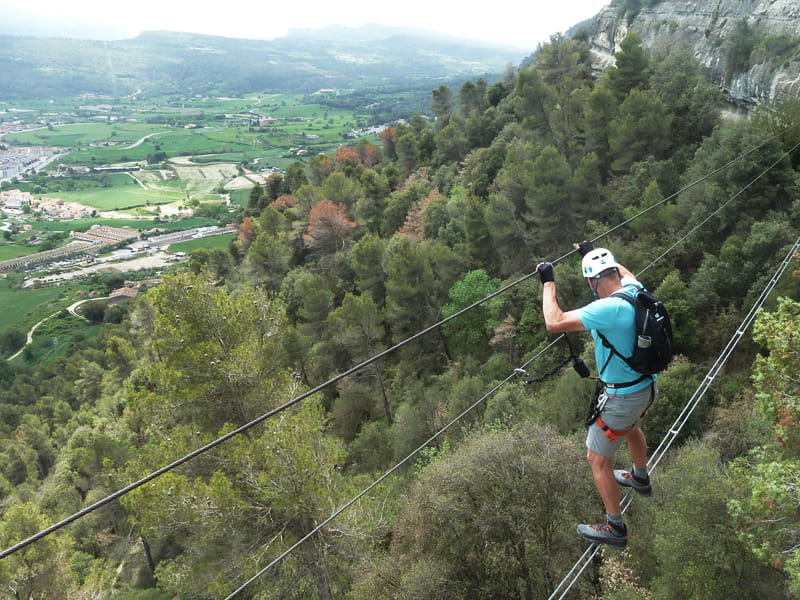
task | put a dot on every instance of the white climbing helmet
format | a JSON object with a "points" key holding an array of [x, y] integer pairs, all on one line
{"points": [[596, 262]]}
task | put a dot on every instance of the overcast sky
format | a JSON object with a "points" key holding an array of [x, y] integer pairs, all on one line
{"points": [[523, 24]]}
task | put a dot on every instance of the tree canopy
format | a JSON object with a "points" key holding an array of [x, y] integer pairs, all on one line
{"points": [[367, 246]]}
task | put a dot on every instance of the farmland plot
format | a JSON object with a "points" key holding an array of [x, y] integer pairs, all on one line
{"points": [[203, 179]]}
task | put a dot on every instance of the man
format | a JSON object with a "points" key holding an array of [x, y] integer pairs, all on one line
{"points": [[626, 394]]}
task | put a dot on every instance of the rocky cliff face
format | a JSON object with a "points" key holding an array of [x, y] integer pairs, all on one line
{"points": [[707, 26]]}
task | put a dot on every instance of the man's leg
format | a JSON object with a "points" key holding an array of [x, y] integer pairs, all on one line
{"points": [[604, 480], [637, 446], [638, 478], [613, 532]]}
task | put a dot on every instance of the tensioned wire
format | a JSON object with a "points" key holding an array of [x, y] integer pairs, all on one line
{"points": [[380, 479], [723, 205], [571, 578], [591, 550], [243, 428], [694, 183]]}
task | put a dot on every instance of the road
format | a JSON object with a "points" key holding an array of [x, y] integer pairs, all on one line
{"points": [[30, 336], [141, 140]]}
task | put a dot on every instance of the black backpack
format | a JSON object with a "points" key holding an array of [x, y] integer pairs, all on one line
{"points": [[653, 347]]}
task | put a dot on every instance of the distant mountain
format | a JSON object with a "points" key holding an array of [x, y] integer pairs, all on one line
{"points": [[158, 62], [375, 31]]}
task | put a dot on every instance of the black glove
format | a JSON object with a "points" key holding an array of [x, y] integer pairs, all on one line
{"points": [[546, 272], [585, 247]]}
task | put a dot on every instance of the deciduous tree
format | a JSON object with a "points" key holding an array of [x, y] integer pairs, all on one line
{"points": [[329, 229], [494, 520], [40, 570]]}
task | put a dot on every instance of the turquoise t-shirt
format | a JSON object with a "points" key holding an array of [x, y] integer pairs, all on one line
{"points": [[613, 317]]}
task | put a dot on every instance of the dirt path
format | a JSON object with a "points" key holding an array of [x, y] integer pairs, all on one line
{"points": [[141, 140], [137, 180], [71, 309], [30, 336]]}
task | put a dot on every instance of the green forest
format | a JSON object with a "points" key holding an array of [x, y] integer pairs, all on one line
{"points": [[310, 412]]}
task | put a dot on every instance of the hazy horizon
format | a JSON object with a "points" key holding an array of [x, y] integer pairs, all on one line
{"points": [[91, 19]]}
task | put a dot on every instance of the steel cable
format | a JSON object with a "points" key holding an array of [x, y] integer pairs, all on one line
{"points": [[243, 428]]}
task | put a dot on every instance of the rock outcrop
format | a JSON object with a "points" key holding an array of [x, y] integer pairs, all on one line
{"points": [[707, 26]]}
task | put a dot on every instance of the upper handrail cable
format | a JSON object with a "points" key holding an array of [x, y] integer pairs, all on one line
{"points": [[243, 428]]}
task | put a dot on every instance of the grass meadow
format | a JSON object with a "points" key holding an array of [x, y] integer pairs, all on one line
{"points": [[79, 135], [24, 308], [118, 198], [215, 241], [9, 251], [219, 128]]}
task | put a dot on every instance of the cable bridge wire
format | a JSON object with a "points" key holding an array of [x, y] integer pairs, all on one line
{"points": [[698, 181], [591, 551], [121, 492], [380, 479], [723, 205], [588, 555]]}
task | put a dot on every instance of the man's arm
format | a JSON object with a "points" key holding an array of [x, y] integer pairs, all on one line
{"points": [[623, 272], [555, 319]]}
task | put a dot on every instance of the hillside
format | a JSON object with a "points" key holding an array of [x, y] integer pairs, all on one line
{"points": [[749, 48], [331, 407], [160, 62]]}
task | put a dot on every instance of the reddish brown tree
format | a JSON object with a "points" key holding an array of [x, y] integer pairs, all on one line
{"points": [[346, 155], [388, 139], [413, 223], [368, 153], [328, 227], [281, 203], [247, 233]]}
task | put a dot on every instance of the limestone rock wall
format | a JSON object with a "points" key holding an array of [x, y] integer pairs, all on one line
{"points": [[705, 25]]}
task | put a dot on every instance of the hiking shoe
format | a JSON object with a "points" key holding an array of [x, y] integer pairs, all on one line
{"points": [[605, 533], [627, 479]]}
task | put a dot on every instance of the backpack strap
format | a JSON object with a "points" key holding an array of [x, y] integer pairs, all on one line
{"points": [[611, 347], [627, 360]]}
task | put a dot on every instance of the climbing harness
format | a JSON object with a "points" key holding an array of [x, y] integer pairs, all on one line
{"points": [[596, 409]]}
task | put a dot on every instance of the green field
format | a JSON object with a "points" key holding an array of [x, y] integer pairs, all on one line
{"points": [[83, 134], [24, 308], [117, 198], [240, 197], [199, 127], [215, 241], [8, 251]]}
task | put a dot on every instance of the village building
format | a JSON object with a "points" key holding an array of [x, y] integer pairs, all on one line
{"points": [[103, 234], [123, 293]]}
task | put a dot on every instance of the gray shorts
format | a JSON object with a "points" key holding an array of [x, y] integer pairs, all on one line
{"points": [[621, 411]]}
